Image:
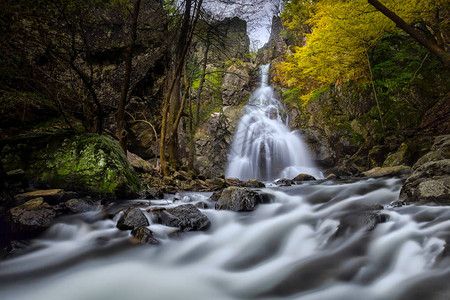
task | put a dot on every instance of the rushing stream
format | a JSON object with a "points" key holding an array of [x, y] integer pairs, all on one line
{"points": [[263, 146], [296, 247]]}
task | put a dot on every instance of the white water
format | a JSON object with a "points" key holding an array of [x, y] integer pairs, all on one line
{"points": [[263, 146], [283, 250]]}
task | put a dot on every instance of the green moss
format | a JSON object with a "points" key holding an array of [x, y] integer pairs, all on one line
{"points": [[89, 162]]}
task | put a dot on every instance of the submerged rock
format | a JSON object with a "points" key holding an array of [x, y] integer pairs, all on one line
{"points": [[131, 219], [31, 217], [186, 217], [304, 177], [144, 236], [238, 199], [367, 218]]}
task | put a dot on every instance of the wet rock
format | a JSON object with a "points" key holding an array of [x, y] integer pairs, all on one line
{"points": [[186, 217], [439, 151], [153, 193], [388, 171], [31, 217], [238, 199], [253, 183], [284, 182], [216, 184], [202, 205], [132, 218], [367, 218], [215, 196], [332, 176], [80, 205], [49, 196], [304, 177], [233, 182], [430, 182], [144, 236], [400, 157]]}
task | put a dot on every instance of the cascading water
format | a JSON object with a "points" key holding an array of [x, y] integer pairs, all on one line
{"points": [[263, 147]]}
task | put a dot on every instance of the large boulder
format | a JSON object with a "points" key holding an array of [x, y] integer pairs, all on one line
{"points": [[238, 199], [87, 163], [49, 196], [144, 236], [388, 171], [186, 217], [430, 180]]}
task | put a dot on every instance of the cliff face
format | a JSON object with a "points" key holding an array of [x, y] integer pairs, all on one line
{"points": [[275, 48]]}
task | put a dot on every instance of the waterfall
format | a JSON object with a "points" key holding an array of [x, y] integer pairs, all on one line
{"points": [[263, 146]]}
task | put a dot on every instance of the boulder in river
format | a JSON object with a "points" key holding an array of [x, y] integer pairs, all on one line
{"points": [[253, 183], [238, 199], [144, 235], [131, 219], [32, 216], [304, 177], [80, 205], [186, 217], [368, 218], [284, 182]]}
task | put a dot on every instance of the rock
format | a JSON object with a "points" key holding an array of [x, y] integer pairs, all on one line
{"points": [[153, 193], [201, 205], [50, 196], [215, 196], [32, 216], [132, 218], [238, 199], [304, 177], [77, 206], [429, 182], [186, 217], [144, 236], [88, 163], [138, 163], [397, 158], [367, 218], [284, 182], [439, 151], [253, 183], [332, 176], [388, 171], [216, 184], [233, 182], [235, 86], [319, 147]]}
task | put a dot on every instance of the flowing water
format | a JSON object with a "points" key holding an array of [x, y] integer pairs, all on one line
{"points": [[263, 146], [296, 247]]}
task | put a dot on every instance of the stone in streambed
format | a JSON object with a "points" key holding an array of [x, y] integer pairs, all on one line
{"points": [[144, 236], [238, 199], [284, 182], [304, 177], [32, 216], [186, 217], [153, 193], [367, 218], [49, 196], [253, 183], [132, 218], [80, 205]]}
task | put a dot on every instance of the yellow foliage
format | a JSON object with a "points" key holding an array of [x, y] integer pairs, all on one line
{"points": [[342, 32]]}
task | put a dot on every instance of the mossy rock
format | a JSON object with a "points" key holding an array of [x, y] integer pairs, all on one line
{"points": [[85, 162]]}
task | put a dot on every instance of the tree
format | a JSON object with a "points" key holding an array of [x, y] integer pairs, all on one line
{"points": [[121, 122], [431, 45]]}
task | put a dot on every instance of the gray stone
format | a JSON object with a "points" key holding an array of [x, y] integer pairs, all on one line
{"points": [[132, 218], [144, 236], [186, 217], [238, 199], [32, 217]]}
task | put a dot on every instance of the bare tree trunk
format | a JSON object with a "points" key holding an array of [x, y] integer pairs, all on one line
{"points": [[121, 122], [434, 48], [176, 76], [200, 86]]}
